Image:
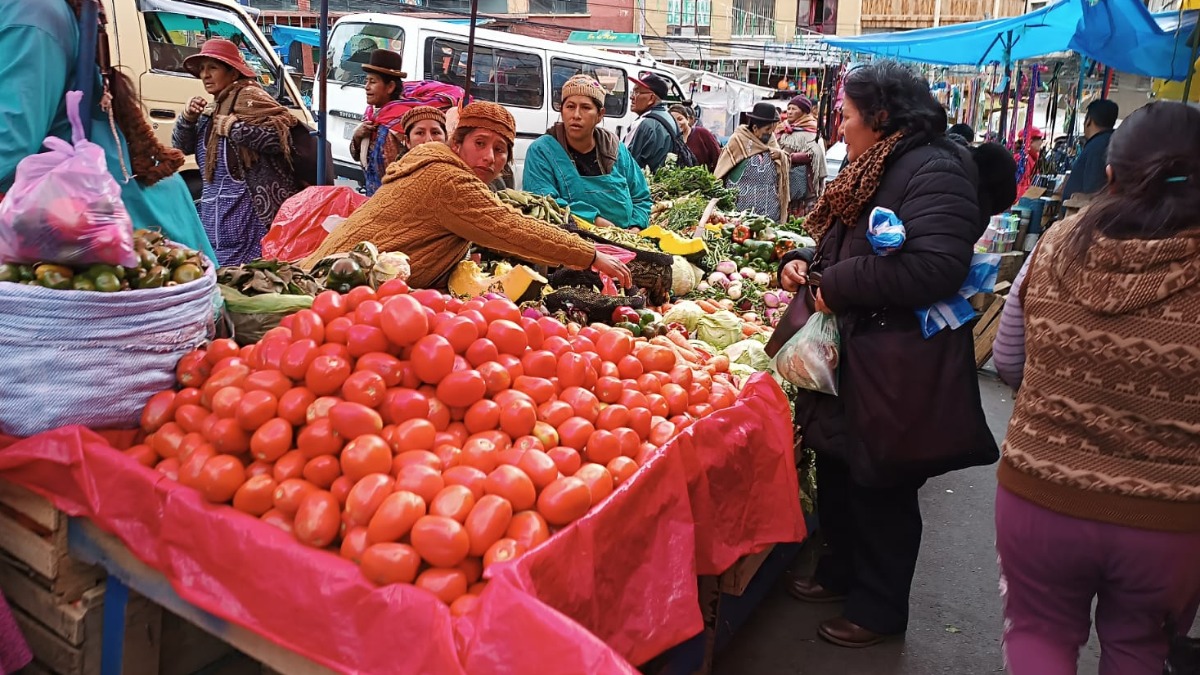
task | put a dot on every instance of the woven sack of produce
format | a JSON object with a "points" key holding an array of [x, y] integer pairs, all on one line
{"points": [[584, 305], [91, 358]]}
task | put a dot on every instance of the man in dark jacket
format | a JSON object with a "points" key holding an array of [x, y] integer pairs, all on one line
{"points": [[650, 138], [1088, 172]]}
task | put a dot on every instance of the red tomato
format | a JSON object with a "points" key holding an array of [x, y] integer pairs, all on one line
{"points": [[633, 399], [503, 550], [329, 305], [662, 432], [291, 465], [369, 313], [395, 517], [539, 466], [233, 376], [430, 298], [564, 501], [468, 477], [355, 544], [193, 369], [158, 411], [539, 389], [441, 541], [599, 481], [658, 405], [622, 469], [327, 374], [308, 325], [529, 528], [322, 471], [481, 351], [401, 404], [272, 440], [454, 501], [480, 453], [256, 496], [319, 438], [404, 321], [602, 447], [337, 331], [365, 387], [460, 331], [677, 398], [293, 405], [517, 418], [390, 563], [575, 432], [385, 365], [512, 364], [582, 344], [341, 489], [420, 457], [488, 521], [609, 389], [220, 477], [290, 493], [269, 380], [363, 339], [366, 497], [461, 389], [630, 367], [498, 309], [540, 363], [334, 349], [317, 520], [255, 408], [566, 459], [228, 438], [359, 295], [392, 287], [555, 412], [508, 336], [439, 414], [533, 332], [584, 403], [221, 349], [613, 417], [482, 416], [655, 358], [614, 345], [421, 480], [697, 393], [649, 384], [495, 377], [628, 440], [557, 346], [366, 455], [447, 584], [351, 420], [552, 327], [432, 358]]}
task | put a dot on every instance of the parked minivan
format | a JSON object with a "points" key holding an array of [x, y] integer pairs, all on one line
{"points": [[523, 74], [149, 40]]}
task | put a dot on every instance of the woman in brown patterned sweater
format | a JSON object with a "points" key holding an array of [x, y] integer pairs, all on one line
{"points": [[435, 202], [1099, 493]]}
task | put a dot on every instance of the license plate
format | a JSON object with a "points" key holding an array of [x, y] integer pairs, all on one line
{"points": [[348, 130]]}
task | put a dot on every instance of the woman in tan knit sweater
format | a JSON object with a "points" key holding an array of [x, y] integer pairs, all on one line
{"points": [[435, 202], [1099, 493]]}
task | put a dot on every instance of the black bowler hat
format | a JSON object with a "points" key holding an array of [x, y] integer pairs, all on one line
{"points": [[763, 113], [387, 63]]}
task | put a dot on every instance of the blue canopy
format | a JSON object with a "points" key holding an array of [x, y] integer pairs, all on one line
{"points": [[1118, 33], [284, 36]]}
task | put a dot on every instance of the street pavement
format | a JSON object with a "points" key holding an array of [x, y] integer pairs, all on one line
{"points": [[955, 621]]}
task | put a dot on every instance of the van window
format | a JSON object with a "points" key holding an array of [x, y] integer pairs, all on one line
{"points": [[173, 37], [502, 76], [674, 95], [614, 81], [351, 44]]}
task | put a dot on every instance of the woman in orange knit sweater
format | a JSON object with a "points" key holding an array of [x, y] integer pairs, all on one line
{"points": [[435, 202]]}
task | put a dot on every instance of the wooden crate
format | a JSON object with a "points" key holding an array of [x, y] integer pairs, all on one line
{"points": [[986, 329], [58, 602]]}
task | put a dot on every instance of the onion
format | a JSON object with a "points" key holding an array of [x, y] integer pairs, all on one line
{"points": [[703, 286], [734, 291], [771, 299], [718, 279], [762, 278], [532, 313], [750, 316], [726, 267], [747, 272], [492, 296], [772, 315], [784, 297]]}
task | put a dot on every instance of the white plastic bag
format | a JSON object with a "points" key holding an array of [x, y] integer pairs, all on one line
{"points": [[809, 359]]}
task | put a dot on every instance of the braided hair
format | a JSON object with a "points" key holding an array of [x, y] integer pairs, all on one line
{"points": [[152, 161]]}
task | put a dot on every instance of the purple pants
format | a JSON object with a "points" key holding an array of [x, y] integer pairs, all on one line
{"points": [[1051, 568]]}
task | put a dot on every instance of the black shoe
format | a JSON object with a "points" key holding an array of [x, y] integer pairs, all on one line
{"points": [[806, 589], [845, 633]]}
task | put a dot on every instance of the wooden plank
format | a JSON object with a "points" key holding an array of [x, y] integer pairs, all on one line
{"points": [[985, 332], [735, 579], [41, 554], [51, 651], [36, 508], [143, 636], [91, 544], [74, 577], [65, 619]]}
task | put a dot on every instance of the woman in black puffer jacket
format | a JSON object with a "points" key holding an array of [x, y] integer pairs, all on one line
{"points": [[908, 407]]}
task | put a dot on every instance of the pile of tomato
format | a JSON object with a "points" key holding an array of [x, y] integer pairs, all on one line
{"points": [[420, 436]]}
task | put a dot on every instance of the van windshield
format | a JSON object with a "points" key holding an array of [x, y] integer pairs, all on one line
{"points": [[172, 37], [351, 44]]}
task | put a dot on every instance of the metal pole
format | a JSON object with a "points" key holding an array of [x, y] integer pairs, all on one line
{"points": [[1108, 78], [1007, 82], [470, 76], [1187, 84], [1083, 68], [89, 18], [322, 118]]}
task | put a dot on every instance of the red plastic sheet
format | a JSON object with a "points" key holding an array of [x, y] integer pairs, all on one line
{"points": [[298, 228], [614, 588]]}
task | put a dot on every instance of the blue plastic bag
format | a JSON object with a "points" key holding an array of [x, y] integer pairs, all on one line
{"points": [[885, 231]]}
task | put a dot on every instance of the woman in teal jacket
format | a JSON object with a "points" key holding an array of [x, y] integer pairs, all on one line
{"points": [[40, 41], [585, 167]]}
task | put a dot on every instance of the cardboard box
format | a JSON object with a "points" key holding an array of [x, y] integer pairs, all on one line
{"points": [[735, 579]]}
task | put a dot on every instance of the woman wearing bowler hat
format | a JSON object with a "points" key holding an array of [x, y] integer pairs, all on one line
{"points": [[753, 162], [242, 141], [379, 140]]}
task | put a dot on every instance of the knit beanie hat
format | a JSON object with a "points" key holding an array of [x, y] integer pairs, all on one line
{"points": [[582, 85], [490, 116], [421, 113], [802, 102]]}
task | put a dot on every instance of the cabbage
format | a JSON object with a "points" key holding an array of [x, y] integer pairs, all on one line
{"points": [[748, 352], [685, 312], [719, 329], [682, 278], [741, 372]]}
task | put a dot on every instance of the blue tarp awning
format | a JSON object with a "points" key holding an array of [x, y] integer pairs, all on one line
{"points": [[1118, 33], [284, 36]]}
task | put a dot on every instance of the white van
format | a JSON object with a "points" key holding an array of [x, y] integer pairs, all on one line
{"points": [[523, 74], [149, 39]]}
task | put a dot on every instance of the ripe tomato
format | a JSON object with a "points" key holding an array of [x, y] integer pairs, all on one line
{"points": [[508, 336], [539, 389], [613, 345], [290, 493], [308, 325], [439, 414], [413, 434], [513, 485], [630, 367], [269, 380], [291, 465], [655, 358], [355, 544], [225, 401], [228, 438], [441, 541], [447, 584], [256, 496], [322, 471], [539, 466], [487, 522], [221, 349], [329, 305], [359, 295], [368, 313], [570, 369], [366, 455], [602, 447], [341, 489], [464, 604], [697, 393], [402, 404], [395, 517], [453, 501], [682, 375], [193, 369], [366, 496], [483, 415], [188, 418], [566, 459], [540, 363], [318, 519], [142, 454], [552, 327], [533, 332], [337, 332], [423, 481], [460, 331], [468, 477], [609, 369], [392, 287], [564, 501], [613, 417], [657, 404], [423, 457], [293, 405], [461, 389], [510, 455], [699, 410], [255, 408], [318, 439], [352, 420], [449, 455], [512, 364], [558, 346], [555, 412], [158, 411], [233, 376], [498, 309], [327, 374], [517, 418], [276, 518], [546, 434], [385, 365], [575, 432], [599, 481], [404, 320], [677, 398], [502, 551], [297, 358], [584, 403], [320, 408], [390, 563], [621, 469], [628, 441], [661, 433], [432, 358], [528, 528], [495, 377], [608, 389], [362, 339], [649, 384], [633, 399], [365, 387], [481, 351], [187, 396], [480, 453]]}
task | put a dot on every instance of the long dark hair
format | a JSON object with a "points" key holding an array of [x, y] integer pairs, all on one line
{"points": [[1154, 191], [152, 160]]}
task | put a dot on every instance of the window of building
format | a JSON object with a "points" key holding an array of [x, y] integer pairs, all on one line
{"points": [[689, 17], [351, 44], [504, 76], [614, 80], [558, 7], [753, 17]]}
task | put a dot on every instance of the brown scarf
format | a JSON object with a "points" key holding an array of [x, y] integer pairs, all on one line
{"points": [[744, 145], [245, 101], [848, 194]]}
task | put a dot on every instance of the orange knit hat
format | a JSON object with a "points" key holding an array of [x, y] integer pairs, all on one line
{"points": [[490, 116], [421, 113]]}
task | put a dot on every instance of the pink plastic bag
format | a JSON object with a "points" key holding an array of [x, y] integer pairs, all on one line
{"points": [[65, 207], [299, 227]]}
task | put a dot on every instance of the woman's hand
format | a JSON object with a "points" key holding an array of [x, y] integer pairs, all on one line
{"points": [[819, 303], [601, 221], [194, 107], [615, 269], [793, 276]]}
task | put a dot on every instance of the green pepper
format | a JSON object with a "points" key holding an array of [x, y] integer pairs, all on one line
{"points": [[646, 316], [631, 327], [758, 224], [760, 250]]}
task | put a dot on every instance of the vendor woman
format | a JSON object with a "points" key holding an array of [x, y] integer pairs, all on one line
{"points": [[586, 167], [423, 124], [377, 141], [435, 202]]}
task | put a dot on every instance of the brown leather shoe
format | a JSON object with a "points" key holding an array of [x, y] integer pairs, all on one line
{"points": [[807, 589], [845, 633]]}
